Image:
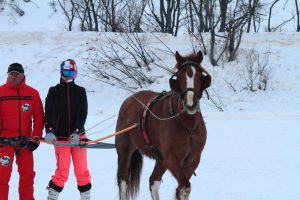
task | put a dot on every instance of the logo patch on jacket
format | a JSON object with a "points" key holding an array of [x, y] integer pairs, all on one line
{"points": [[5, 161], [26, 107]]}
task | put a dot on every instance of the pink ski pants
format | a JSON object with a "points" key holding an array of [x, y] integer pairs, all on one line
{"points": [[63, 160]]}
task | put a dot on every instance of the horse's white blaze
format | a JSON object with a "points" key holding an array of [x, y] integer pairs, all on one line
{"points": [[190, 84], [154, 190], [123, 188]]}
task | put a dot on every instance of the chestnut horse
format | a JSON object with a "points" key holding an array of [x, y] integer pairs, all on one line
{"points": [[175, 127]]}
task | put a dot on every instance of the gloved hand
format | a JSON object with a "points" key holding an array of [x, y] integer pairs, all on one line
{"points": [[21, 141], [33, 144], [50, 137], [74, 138]]}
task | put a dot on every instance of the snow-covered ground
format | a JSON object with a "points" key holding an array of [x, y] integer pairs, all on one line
{"points": [[252, 150]]}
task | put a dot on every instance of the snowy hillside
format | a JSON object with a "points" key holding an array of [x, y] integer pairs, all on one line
{"points": [[41, 53], [252, 151]]}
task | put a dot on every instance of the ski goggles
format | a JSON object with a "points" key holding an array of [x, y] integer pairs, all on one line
{"points": [[69, 73]]}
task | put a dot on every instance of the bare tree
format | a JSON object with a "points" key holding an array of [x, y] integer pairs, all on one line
{"points": [[227, 43], [68, 8], [210, 11], [165, 18], [96, 15], [270, 14], [92, 15], [205, 21], [223, 14], [235, 28], [254, 7], [189, 16], [298, 16], [200, 17]]}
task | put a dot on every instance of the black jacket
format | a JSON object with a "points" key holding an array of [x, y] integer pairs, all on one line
{"points": [[65, 109]]}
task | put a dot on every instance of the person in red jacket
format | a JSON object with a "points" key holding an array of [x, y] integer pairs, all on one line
{"points": [[21, 126]]}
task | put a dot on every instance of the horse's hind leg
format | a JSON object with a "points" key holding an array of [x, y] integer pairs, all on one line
{"points": [[155, 179], [130, 163], [122, 174]]}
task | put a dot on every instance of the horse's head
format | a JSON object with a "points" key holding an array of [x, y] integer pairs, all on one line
{"points": [[190, 80]]}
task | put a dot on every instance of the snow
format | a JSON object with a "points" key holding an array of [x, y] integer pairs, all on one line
{"points": [[252, 148]]}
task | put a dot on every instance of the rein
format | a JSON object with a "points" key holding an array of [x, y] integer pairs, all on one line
{"points": [[155, 116]]}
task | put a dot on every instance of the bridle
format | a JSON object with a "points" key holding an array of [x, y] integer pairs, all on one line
{"points": [[175, 81]]}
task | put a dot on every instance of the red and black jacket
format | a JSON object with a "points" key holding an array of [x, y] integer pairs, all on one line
{"points": [[65, 109], [21, 111]]}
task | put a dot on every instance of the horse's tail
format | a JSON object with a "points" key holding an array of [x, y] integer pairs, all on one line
{"points": [[134, 174]]}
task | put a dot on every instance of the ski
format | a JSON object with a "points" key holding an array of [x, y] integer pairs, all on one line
{"points": [[100, 145]]}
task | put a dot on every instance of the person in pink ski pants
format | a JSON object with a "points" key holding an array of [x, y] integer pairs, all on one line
{"points": [[65, 115]]}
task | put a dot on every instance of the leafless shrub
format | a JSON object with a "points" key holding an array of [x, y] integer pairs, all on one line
{"points": [[124, 61], [197, 42], [2, 5], [215, 100], [17, 9], [257, 70], [53, 5]]}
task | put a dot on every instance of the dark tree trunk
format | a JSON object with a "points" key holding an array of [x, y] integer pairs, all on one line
{"points": [[270, 15]]}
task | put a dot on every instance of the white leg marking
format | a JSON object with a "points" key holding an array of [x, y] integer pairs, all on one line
{"points": [[184, 193], [154, 190], [123, 188]]}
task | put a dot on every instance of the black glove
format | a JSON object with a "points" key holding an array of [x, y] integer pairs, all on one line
{"points": [[21, 141], [33, 144]]}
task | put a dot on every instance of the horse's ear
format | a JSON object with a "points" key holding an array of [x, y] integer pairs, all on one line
{"points": [[178, 57], [199, 56]]}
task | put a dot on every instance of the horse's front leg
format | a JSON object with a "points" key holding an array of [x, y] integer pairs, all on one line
{"points": [[155, 179], [184, 186], [191, 165], [183, 193]]}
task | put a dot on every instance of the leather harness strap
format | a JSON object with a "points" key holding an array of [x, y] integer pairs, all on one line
{"points": [[144, 132], [145, 114]]}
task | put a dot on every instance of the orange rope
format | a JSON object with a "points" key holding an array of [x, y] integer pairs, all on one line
{"points": [[113, 134], [103, 138]]}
